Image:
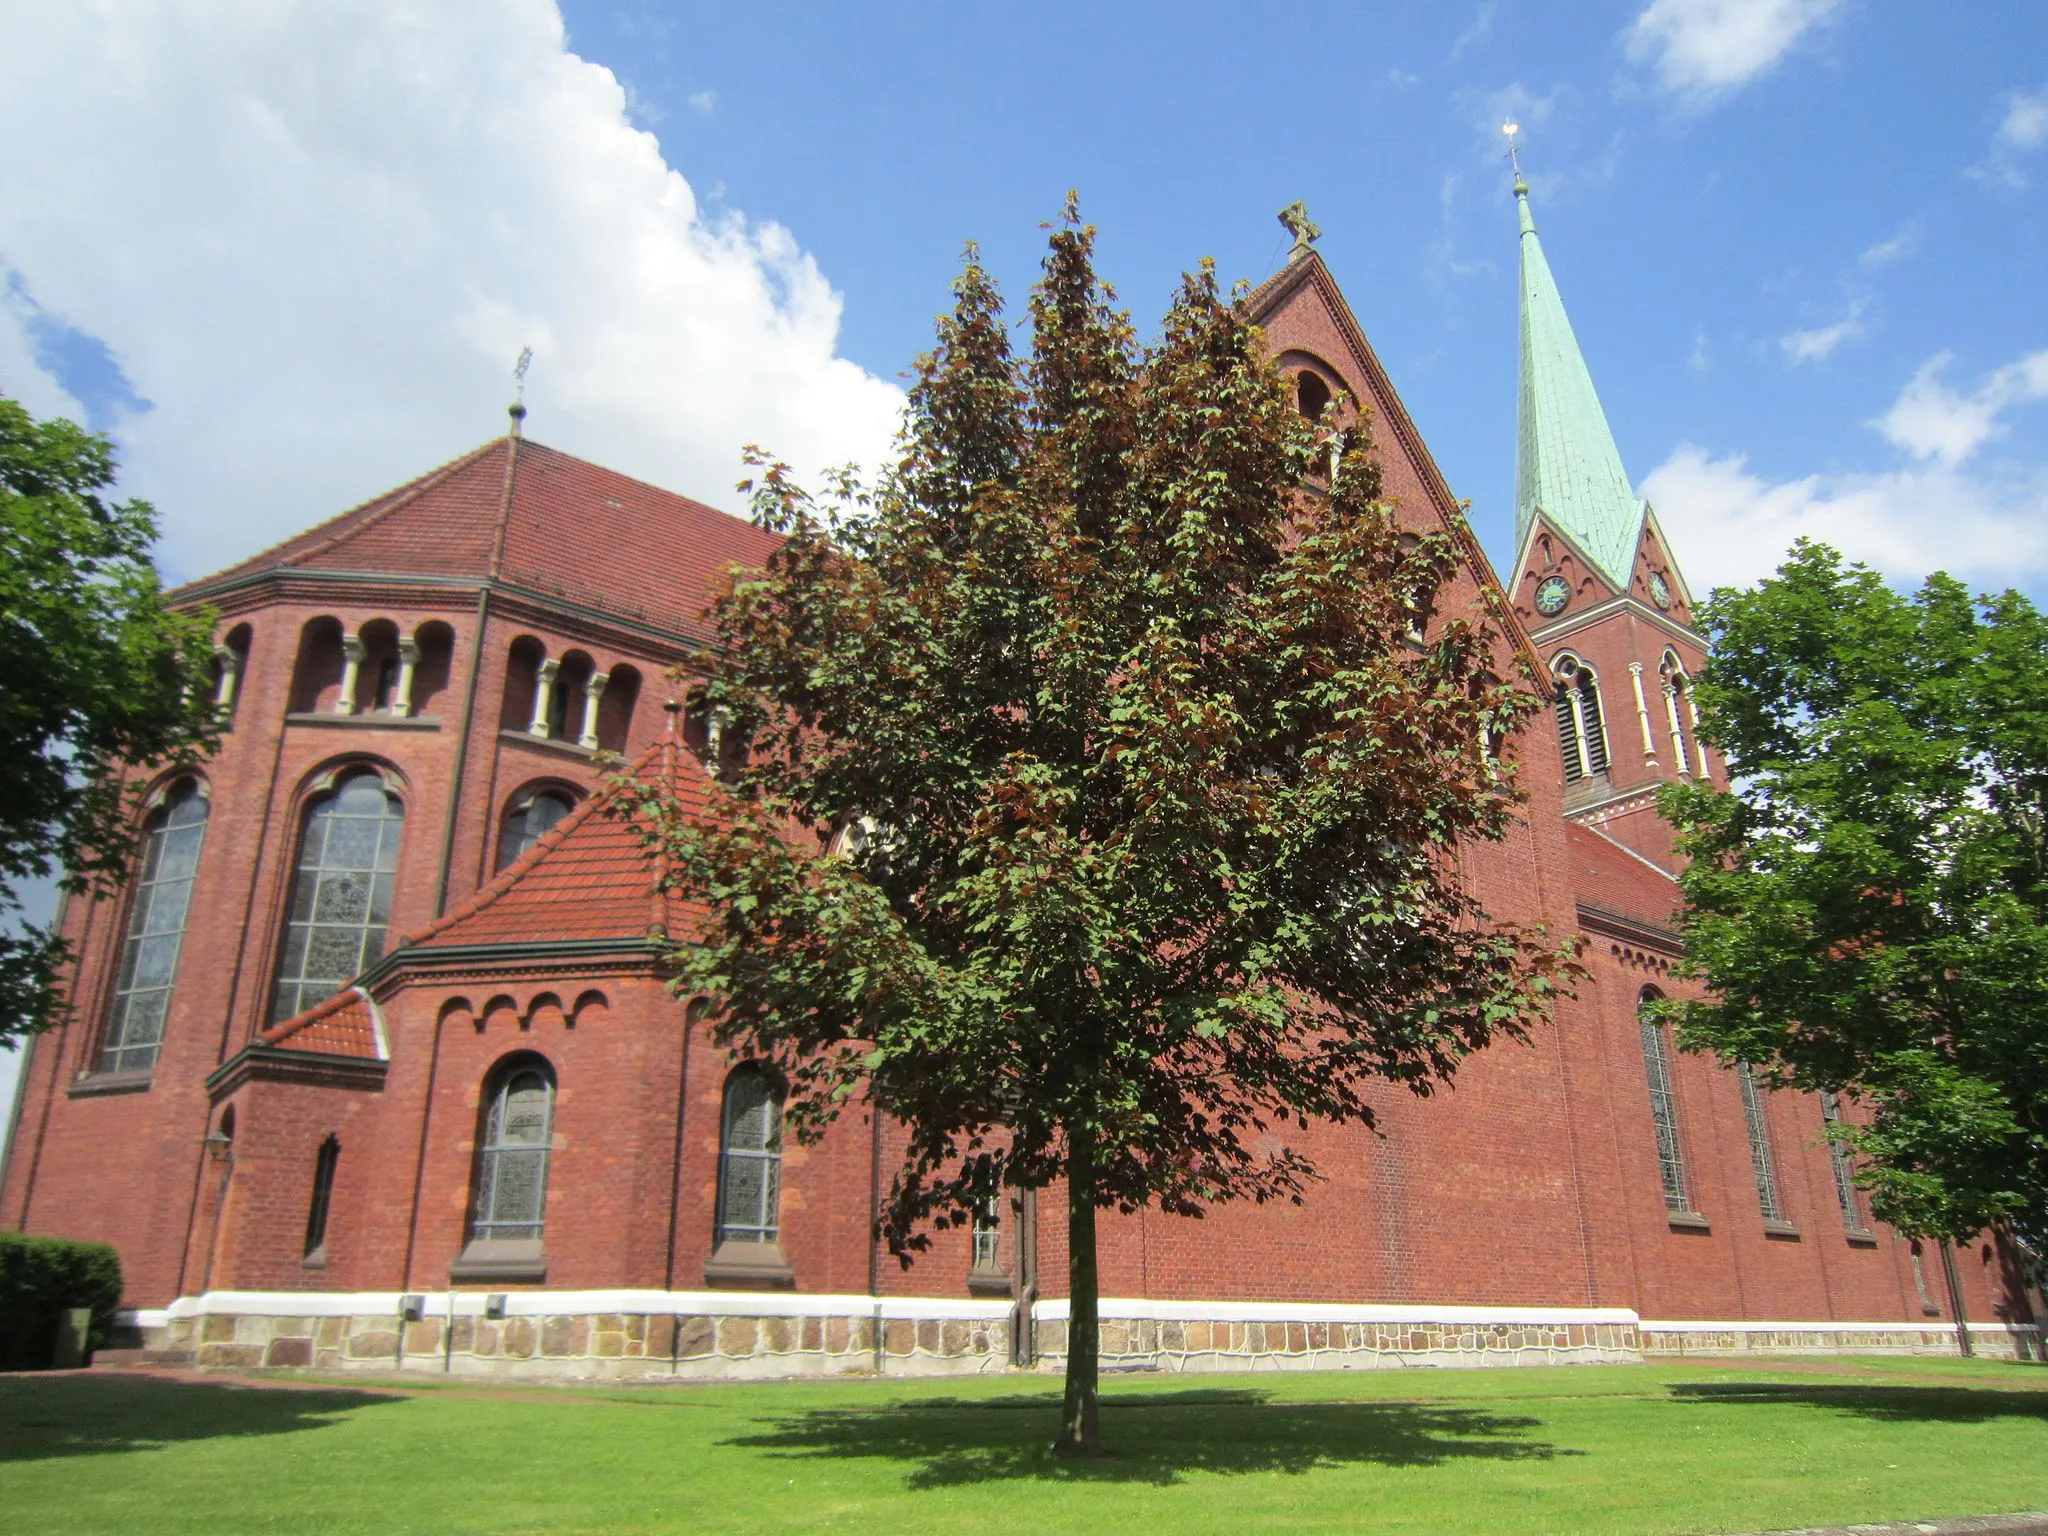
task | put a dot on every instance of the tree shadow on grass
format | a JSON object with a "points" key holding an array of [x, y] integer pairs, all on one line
{"points": [[1892, 1404], [44, 1417], [1152, 1438]]}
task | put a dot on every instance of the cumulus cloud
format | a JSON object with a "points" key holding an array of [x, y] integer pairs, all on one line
{"points": [[1819, 344], [1985, 524], [1930, 420], [1703, 49], [316, 238], [2022, 130]]}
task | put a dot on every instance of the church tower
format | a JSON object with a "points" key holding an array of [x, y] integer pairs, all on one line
{"points": [[1598, 587]]}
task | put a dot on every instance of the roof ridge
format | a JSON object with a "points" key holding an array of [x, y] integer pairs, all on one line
{"points": [[507, 879], [404, 494]]}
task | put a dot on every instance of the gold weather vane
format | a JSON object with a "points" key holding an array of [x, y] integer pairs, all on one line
{"points": [[1513, 129]]}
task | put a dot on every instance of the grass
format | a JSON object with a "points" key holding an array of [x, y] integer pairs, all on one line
{"points": [[1705, 1446]]}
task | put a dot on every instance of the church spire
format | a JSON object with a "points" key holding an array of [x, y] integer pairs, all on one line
{"points": [[1566, 464]]}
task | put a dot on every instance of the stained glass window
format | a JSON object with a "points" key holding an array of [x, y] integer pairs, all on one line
{"points": [[1845, 1176], [1760, 1144], [512, 1164], [341, 892], [1663, 1107], [750, 1160], [156, 930]]}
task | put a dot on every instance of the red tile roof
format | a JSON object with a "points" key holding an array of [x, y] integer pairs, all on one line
{"points": [[591, 876], [347, 1024], [1618, 879], [556, 524]]}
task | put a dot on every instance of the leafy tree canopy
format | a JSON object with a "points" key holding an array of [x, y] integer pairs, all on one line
{"points": [[1870, 904], [96, 675], [1146, 808]]}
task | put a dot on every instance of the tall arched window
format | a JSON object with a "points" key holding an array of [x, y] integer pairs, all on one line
{"points": [[1580, 730], [1760, 1158], [750, 1159], [341, 891], [529, 816], [1663, 1104], [512, 1157], [1845, 1170], [156, 929]]}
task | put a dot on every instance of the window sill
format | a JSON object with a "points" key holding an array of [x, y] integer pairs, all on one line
{"points": [[1781, 1229], [501, 1258], [1584, 791], [95, 1084], [365, 722], [989, 1282], [749, 1266], [554, 744], [1687, 1221], [1861, 1237]]}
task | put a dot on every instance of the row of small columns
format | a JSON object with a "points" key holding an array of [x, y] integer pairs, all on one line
{"points": [[352, 653], [544, 699], [230, 680]]}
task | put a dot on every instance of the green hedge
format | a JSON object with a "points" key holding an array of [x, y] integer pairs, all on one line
{"points": [[40, 1279]]}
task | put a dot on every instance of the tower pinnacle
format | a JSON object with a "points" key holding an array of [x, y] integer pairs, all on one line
{"points": [[1567, 467]]}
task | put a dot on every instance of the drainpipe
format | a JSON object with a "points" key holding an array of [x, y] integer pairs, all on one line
{"points": [[1955, 1299], [1023, 1346]]}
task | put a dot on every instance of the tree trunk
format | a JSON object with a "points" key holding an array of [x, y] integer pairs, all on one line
{"points": [[1080, 1424]]}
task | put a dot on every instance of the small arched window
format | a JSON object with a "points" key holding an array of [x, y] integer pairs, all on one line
{"points": [[1581, 731], [1311, 395], [325, 1161], [529, 817], [341, 891], [1663, 1102], [750, 1159], [171, 841], [512, 1157], [230, 662]]}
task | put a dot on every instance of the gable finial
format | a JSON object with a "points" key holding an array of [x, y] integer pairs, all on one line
{"points": [[518, 407], [1295, 220]]}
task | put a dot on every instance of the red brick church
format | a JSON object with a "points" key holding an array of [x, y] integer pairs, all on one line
{"points": [[374, 1062]]}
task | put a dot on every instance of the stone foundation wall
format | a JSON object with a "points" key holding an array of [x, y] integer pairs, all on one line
{"points": [[1993, 1341], [619, 1335]]}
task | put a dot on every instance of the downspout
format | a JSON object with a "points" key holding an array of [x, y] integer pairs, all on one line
{"points": [[419, 1169], [1955, 1299], [675, 1183], [875, 1229], [1023, 1342]]}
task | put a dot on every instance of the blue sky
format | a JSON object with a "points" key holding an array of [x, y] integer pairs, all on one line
{"points": [[287, 253]]}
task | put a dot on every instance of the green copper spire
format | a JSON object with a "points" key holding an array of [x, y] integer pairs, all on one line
{"points": [[1566, 464]]}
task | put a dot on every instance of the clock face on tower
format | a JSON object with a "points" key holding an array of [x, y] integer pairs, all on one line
{"points": [[1552, 593], [1660, 590]]}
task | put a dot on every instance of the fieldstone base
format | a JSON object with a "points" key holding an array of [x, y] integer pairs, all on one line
{"points": [[1992, 1341], [623, 1335]]}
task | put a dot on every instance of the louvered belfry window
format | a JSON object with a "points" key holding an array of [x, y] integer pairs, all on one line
{"points": [[750, 1160], [341, 892], [1580, 732], [512, 1163], [1663, 1106], [156, 931]]}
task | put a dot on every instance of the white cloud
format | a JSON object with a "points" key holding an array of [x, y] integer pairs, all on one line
{"points": [[1819, 344], [704, 101], [316, 237], [1480, 29], [2022, 130], [1703, 49], [1988, 524], [1885, 252], [1733, 527], [1932, 421]]}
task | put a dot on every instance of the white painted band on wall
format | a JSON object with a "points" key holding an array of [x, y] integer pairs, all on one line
{"points": [[648, 1303], [1912, 1325], [1123, 1309]]}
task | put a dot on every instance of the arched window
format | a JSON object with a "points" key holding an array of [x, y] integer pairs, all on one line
{"points": [[230, 662], [325, 1161], [341, 891], [1581, 732], [1311, 394], [1679, 711], [750, 1159], [530, 815], [1663, 1103], [512, 1156], [1760, 1157], [156, 928], [1845, 1170]]}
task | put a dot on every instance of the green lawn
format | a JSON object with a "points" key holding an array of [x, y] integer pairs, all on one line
{"points": [[1669, 1448]]}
